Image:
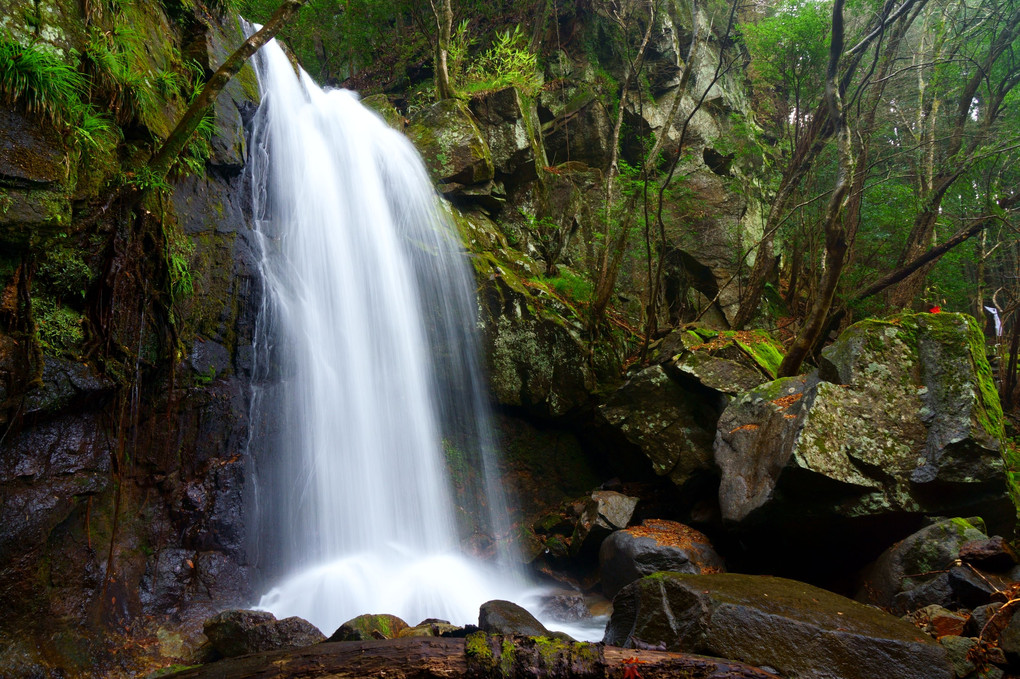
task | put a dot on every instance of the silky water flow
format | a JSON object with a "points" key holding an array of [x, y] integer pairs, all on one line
{"points": [[368, 361]]}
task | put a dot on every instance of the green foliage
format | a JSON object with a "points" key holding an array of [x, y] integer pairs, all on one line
{"points": [[60, 327], [178, 250], [40, 82], [63, 272], [507, 62], [570, 285]]}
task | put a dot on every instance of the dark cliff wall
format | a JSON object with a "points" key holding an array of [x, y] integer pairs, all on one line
{"points": [[124, 398]]}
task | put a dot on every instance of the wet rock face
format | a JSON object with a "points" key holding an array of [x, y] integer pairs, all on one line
{"points": [[452, 146], [902, 418], [797, 629]]}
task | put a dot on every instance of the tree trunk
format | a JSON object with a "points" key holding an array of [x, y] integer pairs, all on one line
{"points": [[835, 231], [444, 24], [164, 159]]}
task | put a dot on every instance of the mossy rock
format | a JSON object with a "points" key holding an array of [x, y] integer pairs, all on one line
{"points": [[370, 626], [902, 418], [381, 105], [448, 138], [795, 628]]}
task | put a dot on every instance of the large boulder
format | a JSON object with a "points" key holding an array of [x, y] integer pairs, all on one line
{"points": [[667, 423], [799, 630], [902, 419], [234, 633], [925, 569], [448, 138], [656, 545], [534, 341]]}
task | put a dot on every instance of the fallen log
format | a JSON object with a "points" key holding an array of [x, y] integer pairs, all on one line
{"points": [[478, 657]]}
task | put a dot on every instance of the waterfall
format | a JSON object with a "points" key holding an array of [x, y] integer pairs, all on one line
{"points": [[368, 361]]}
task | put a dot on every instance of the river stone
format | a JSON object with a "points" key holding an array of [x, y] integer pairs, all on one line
{"points": [[670, 425], [656, 545], [914, 572], [506, 617], [451, 144], [797, 629], [239, 632], [370, 626], [902, 417]]}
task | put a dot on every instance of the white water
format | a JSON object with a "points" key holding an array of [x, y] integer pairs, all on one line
{"points": [[368, 328]]}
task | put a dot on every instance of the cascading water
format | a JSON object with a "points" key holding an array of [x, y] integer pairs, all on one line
{"points": [[369, 331]]}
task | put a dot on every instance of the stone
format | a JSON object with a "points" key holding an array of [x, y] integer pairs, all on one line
{"points": [[506, 617], [381, 105], [730, 362], [672, 426], [452, 146], [986, 622], [370, 626], [656, 545], [603, 512], [533, 342], [797, 629], [957, 650], [569, 607], [239, 632], [902, 418], [431, 628], [915, 572], [938, 621], [973, 587], [509, 128], [580, 131], [993, 554]]}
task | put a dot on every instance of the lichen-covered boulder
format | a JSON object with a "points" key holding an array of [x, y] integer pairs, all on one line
{"points": [[370, 626], [656, 545], [234, 633], [452, 146], [902, 419], [916, 572], [797, 629], [671, 425]]}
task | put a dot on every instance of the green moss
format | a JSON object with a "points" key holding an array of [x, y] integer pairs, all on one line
{"points": [[507, 655], [476, 646], [766, 353]]}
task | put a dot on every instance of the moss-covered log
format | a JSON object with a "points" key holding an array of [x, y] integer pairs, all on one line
{"points": [[476, 657]]}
